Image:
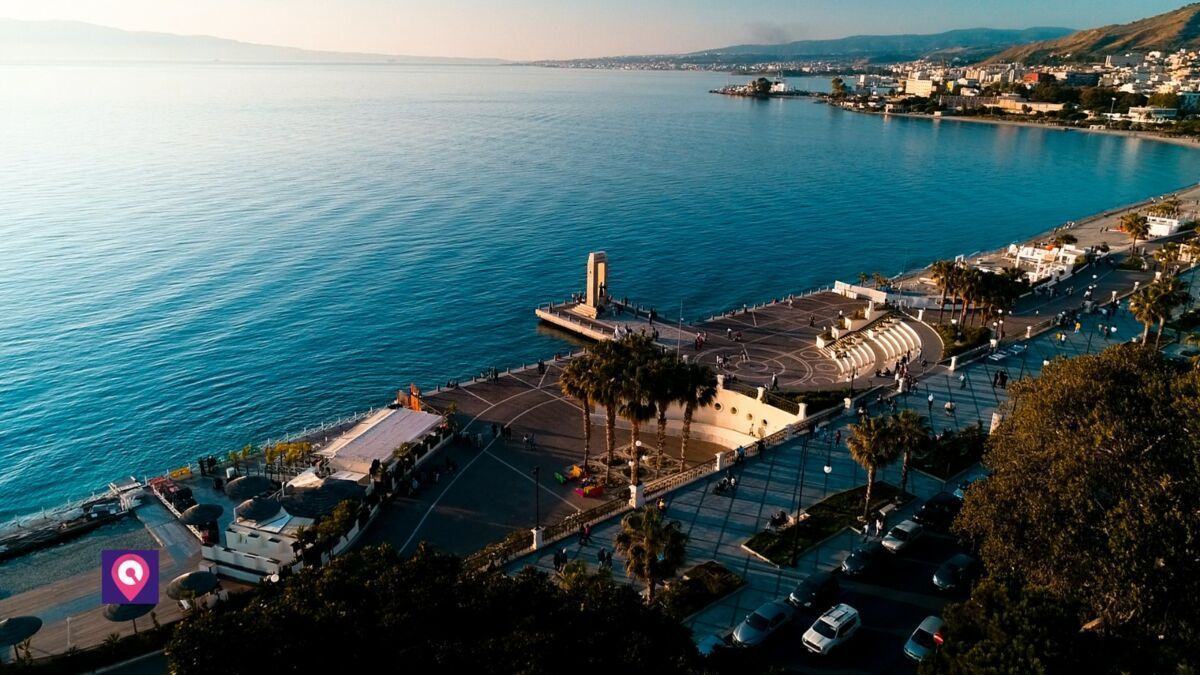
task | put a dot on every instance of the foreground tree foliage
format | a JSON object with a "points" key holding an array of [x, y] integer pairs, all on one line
{"points": [[1005, 629], [1094, 503], [372, 611]]}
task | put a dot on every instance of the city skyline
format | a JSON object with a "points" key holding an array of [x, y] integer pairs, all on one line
{"points": [[529, 29]]}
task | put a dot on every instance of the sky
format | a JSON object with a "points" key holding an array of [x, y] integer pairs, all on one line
{"points": [[559, 29]]}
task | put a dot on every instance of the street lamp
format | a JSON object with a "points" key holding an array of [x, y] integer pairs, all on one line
{"points": [[537, 498]]}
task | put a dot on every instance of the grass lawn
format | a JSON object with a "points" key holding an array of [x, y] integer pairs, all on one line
{"points": [[953, 453], [698, 588], [825, 518], [972, 337]]}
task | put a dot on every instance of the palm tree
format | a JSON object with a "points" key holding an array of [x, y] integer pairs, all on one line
{"points": [[1168, 254], [576, 382], [943, 275], [665, 385], [1142, 306], [653, 549], [1136, 226], [1171, 292], [911, 434], [637, 406], [871, 445], [699, 390], [608, 363]]}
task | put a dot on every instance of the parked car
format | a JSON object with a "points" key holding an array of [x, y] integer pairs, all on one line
{"points": [[815, 591], [925, 639], [831, 629], [902, 536], [761, 623], [939, 511], [956, 572], [863, 559]]}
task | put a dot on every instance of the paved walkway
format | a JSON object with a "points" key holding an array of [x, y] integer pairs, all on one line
{"points": [[71, 607]]}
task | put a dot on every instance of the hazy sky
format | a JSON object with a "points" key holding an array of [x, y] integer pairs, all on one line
{"points": [[530, 29]]}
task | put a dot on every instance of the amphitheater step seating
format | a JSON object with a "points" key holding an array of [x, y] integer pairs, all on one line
{"points": [[876, 347]]}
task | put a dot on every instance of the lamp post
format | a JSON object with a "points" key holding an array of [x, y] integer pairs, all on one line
{"points": [[828, 470], [800, 497], [537, 497]]}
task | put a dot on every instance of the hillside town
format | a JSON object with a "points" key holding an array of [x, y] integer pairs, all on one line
{"points": [[1124, 91]]}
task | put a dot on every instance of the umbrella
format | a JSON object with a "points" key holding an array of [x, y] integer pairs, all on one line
{"points": [[191, 585], [17, 629], [257, 508], [202, 514], [248, 486], [120, 613]]}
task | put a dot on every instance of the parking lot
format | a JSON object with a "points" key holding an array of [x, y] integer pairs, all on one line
{"points": [[891, 601]]}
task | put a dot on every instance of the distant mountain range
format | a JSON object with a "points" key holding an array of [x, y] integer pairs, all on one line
{"points": [[1178, 29], [968, 41], [40, 41], [970, 44]]}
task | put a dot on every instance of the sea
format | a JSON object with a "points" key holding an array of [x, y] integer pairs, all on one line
{"points": [[194, 257]]}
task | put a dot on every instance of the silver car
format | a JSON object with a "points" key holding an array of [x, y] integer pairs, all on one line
{"points": [[902, 536], [761, 623], [925, 640]]}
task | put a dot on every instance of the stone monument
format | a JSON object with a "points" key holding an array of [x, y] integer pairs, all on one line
{"points": [[595, 296]]}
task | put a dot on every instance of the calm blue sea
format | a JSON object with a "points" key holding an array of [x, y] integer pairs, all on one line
{"points": [[197, 257]]}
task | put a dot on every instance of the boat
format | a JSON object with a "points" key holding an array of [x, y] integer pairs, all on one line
{"points": [[71, 521]]}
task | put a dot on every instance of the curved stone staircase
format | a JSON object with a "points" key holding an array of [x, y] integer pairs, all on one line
{"points": [[875, 347]]}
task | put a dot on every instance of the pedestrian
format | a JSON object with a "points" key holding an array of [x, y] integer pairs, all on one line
{"points": [[962, 381], [879, 525], [931, 403], [837, 438]]}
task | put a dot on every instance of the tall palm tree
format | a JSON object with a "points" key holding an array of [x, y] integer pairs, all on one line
{"points": [[576, 382], [873, 447], [1142, 304], [1136, 226], [1171, 293], [699, 390], [943, 275], [665, 375], [911, 434], [607, 374], [637, 407], [653, 549]]}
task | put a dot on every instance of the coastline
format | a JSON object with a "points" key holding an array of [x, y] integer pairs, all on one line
{"points": [[1124, 133]]}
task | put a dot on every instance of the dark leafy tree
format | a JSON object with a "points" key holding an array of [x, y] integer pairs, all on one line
{"points": [[373, 611]]}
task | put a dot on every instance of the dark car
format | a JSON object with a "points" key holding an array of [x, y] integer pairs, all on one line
{"points": [[815, 591], [863, 559], [939, 511], [956, 573]]}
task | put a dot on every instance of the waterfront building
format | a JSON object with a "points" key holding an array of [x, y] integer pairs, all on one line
{"points": [[1040, 263], [1152, 114], [262, 539], [1162, 226]]}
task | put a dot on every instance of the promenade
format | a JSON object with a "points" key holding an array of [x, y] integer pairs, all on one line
{"points": [[792, 476]]}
